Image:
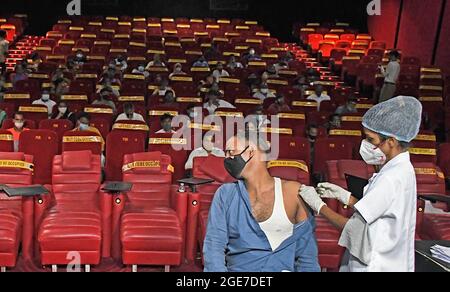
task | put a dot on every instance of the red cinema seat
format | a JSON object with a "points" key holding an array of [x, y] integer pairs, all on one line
{"points": [[444, 158], [70, 219], [210, 167], [57, 126], [102, 125], [43, 146], [6, 141], [292, 147], [36, 113], [293, 120], [314, 41], [424, 148], [16, 214], [291, 170], [100, 111], [326, 149], [325, 48], [150, 219], [352, 136], [82, 140], [118, 144], [176, 148]]}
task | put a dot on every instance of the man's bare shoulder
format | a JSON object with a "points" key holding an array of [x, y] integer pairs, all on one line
{"points": [[291, 194]]}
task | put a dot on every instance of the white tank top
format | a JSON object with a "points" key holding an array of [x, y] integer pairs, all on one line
{"points": [[278, 227]]}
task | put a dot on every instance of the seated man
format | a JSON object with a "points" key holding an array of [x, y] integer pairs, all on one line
{"points": [[263, 92], [348, 108], [166, 124], [18, 129], [333, 123], [318, 96], [129, 114], [45, 100], [104, 98], [83, 124], [207, 149], [279, 106], [214, 102], [258, 224], [140, 70]]}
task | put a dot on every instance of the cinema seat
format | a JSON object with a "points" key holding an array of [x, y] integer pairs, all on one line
{"points": [[57, 126], [176, 148], [79, 141], [43, 146], [118, 144], [16, 214], [149, 221], [9, 123], [70, 219], [199, 202], [6, 141], [326, 149], [296, 148], [291, 170]]}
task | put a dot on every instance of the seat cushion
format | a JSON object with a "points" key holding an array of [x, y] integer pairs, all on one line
{"points": [[436, 227], [71, 230], [327, 237], [151, 230], [10, 232]]}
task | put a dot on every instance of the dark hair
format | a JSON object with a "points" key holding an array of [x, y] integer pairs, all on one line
{"points": [[105, 89], [128, 106], [394, 53], [84, 115], [404, 145], [3, 33], [18, 114], [334, 115], [165, 117], [311, 126]]}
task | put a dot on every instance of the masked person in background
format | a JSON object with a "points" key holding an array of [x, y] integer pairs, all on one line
{"points": [[18, 129], [140, 70], [379, 237], [45, 100], [64, 113], [257, 224], [129, 114]]}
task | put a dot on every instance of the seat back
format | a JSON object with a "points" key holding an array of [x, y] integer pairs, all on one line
{"points": [[36, 113], [57, 126], [326, 149], [444, 158], [118, 144], [292, 170], [210, 167], [167, 145], [151, 176], [43, 146], [76, 177], [430, 178], [16, 169], [82, 140], [6, 141], [293, 147]]}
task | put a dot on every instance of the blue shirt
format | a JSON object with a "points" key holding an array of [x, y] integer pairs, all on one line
{"points": [[235, 242]]}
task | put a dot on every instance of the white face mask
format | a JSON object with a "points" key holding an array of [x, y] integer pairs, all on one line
{"points": [[18, 125], [62, 110], [264, 91], [141, 69], [371, 154], [193, 115], [79, 56], [45, 97]]}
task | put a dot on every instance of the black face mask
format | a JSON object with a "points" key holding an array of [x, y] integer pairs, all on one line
{"points": [[313, 138], [236, 165]]}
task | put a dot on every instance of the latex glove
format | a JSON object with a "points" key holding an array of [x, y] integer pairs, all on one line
{"points": [[331, 191], [312, 198]]}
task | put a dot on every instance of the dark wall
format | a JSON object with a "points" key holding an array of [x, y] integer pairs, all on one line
{"points": [[277, 16], [384, 26], [443, 49]]}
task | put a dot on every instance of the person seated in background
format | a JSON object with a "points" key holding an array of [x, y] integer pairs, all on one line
{"points": [[129, 114], [120, 63], [194, 111], [206, 84], [112, 74], [208, 148], [113, 84], [212, 52], [301, 83], [4, 46], [80, 58], [279, 106], [84, 125], [2, 87], [34, 61], [251, 56], [348, 108], [163, 88], [263, 92], [166, 124], [140, 70], [19, 74], [264, 78], [288, 57], [60, 87], [64, 113], [312, 131], [214, 102], [169, 99], [156, 62], [220, 72], [45, 100], [233, 64], [333, 123], [18, 129], [201, 62], [272, 72], [258, 118], [177, 70], [104, 98], [318, 96], [281, 65]]}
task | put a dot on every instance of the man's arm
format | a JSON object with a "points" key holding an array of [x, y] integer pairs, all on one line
{"points": [[334, 218], [216, 240]]}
